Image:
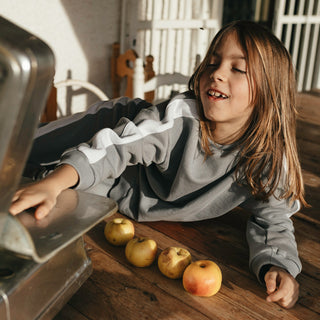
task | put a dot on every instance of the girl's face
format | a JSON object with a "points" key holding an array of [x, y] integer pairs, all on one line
{"points": [[224, 87]]}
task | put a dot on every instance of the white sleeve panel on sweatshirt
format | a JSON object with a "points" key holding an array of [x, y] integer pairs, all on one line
{"points": [[148, 139]]}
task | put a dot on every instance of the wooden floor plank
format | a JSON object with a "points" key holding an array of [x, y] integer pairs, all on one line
{"points": [[124, 295], [69, 313], [309, 293], [235, 297], [310, 263]]}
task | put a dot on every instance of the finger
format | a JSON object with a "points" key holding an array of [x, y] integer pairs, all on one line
{"points": [[271, 281], [44, 208], [17, 195], [276, 296], [17, 207], [24, 203], [289, 303], [42, 211], [285, 292], [290, 293]]}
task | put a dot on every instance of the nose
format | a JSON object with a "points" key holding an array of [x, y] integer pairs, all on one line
{"points": [[218, 74]]}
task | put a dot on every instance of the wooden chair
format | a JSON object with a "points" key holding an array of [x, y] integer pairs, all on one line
{"points": [[122, 69], [51, 108], [141, 86], [139, 76], [122, 72]]}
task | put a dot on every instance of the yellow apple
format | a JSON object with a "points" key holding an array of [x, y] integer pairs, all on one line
{"points": [[119, 231], [202, 278], [172, 262], [141, 251]]}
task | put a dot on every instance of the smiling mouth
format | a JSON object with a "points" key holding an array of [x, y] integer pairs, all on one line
{"points": [[216, 94]]}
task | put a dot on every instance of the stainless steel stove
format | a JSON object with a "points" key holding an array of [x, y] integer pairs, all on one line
{"points": [[42, 263]]}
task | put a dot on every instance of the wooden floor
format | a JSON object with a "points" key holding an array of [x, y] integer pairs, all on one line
{"points": [[117, 290]]}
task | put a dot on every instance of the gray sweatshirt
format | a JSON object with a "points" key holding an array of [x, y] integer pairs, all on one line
{"points": [[151, 162]]}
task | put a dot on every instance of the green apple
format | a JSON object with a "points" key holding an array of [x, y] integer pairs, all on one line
{"points": [[172, 262], [141, 251], [119, 231]]}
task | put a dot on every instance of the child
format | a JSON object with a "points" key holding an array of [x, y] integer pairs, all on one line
{"points": [[228, 142]]}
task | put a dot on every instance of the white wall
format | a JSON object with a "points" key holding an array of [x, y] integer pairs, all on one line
{"points": [[79, 32]]}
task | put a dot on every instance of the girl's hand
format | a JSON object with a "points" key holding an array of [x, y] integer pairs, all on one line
{"points": [[43, 194], [282, 288], [39, 195]]}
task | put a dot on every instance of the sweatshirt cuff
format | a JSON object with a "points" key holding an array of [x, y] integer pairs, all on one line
{"points": [[79, 162], [261, 265], [263, 270]]}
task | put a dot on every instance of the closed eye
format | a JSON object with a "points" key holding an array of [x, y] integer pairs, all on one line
{"points": [[239, 70]]}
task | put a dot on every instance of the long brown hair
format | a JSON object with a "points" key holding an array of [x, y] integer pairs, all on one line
{"points": [[268, 150]]}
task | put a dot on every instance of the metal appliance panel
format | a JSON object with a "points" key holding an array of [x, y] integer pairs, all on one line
{"points": [[26, 73], [42, 263]]}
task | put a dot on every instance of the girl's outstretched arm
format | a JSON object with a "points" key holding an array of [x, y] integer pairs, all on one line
{"points": [[282, 288], [43, 194]]}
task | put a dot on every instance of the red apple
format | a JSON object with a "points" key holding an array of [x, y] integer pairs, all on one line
{"points": [[141, 251], [172, 262], [202, 278], [119, 231]]}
